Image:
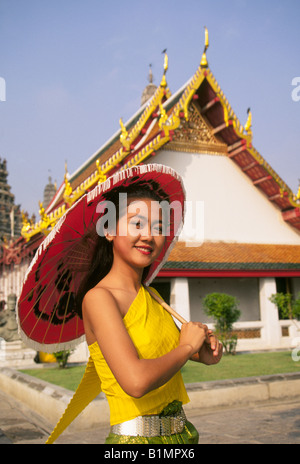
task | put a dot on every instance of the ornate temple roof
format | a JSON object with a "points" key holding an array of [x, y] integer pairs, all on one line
{"points": [[197, 116], [233, 260]]}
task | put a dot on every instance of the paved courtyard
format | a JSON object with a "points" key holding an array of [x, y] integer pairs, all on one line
{"points": [[260, 423]]}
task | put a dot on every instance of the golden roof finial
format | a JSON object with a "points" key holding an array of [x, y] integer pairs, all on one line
{"points": [[204, 63], [124, 136], [166, 61], [68, 188], [45, 221], [25, 222], [101, 176], [298, 194], [166, 65], [123, 129], [42, 211], [248, 124], [163, 116]]}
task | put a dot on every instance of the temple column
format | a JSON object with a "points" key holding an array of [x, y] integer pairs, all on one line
{"points": [[271, 331], [180, 298]]}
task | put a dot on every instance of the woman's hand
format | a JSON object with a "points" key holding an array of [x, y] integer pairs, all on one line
{"points": [[193, 334], [211, 351], [196, 334]]}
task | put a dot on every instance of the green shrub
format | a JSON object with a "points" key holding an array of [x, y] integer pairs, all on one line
{"points": [[224, 310], [62, 357]]}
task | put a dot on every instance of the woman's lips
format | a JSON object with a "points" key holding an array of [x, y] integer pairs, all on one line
{"points": [[144, 250]]}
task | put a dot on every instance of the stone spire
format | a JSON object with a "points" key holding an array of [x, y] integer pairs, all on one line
{"points": [[49, 193], [149, 91], [10, 215]]}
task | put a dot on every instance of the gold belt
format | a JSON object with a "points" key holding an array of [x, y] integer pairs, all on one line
{"points": [[151, 426]]}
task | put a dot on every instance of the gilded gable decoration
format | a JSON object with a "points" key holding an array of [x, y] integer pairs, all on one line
{"points": [[195, 135]]}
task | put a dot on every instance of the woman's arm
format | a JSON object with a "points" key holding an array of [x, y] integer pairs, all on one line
{"points": [[136, 376]]}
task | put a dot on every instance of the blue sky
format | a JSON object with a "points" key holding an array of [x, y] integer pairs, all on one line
{"points": [[73, 67]]}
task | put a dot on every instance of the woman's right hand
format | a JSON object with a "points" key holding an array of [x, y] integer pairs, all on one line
{"points": [[193, 334]]}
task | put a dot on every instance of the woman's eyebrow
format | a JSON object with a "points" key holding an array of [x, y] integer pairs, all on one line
{"points": [[144, 218], [135, 214], [157, 221]]}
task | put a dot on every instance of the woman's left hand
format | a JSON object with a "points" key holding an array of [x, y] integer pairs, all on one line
{"points": [[211, 351]]}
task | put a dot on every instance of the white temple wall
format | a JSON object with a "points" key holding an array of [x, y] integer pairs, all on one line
{"points": [[234, 209]]}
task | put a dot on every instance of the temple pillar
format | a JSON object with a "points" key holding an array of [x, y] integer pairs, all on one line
{"points": [[271, 331], [180, 298]]}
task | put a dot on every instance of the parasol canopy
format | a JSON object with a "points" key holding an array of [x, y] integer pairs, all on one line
{"points": [[46, 309]]}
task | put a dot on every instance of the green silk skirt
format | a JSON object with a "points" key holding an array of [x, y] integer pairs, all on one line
{"points": [[188, 436]]}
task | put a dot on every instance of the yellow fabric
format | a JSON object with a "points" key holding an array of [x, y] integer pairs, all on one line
{"points": [[145, 320], [154, 334], [88, 389]]}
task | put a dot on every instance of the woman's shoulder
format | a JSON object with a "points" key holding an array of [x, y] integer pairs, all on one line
{"points": [[98, 295]]}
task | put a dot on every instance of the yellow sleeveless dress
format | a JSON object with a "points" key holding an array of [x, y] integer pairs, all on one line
{"points": [[154, 334]]}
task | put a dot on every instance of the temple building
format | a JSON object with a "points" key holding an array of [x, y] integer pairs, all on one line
{"points": [[242, 232]]}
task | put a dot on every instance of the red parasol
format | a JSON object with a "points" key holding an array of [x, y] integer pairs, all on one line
{"points": [[46, 311]]}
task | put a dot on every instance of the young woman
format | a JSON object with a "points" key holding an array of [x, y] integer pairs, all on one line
{"points": [[135, 345], [90, 278]]}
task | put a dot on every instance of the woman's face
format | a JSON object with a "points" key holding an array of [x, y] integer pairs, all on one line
{"points": [[140, 234]]}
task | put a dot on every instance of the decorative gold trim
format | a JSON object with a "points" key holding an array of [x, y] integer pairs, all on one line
{"points": [[229, 115], [198, 148], [125, 141]]}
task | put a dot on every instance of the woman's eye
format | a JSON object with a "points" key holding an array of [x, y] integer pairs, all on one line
{"points": [[157, 230], [136, 223]]}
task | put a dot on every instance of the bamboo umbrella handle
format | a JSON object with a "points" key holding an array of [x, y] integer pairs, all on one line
{"points": [[167, 307]]}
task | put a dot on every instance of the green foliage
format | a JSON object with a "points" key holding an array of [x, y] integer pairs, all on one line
{"points": [[288, 306], [224, 310], [62, 357]]}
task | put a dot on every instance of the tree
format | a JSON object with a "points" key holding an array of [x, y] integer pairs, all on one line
{"points": [[224, 310], [288, 306]]}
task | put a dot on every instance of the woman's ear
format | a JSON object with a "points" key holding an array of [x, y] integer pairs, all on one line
{"points": [[109, 237]]}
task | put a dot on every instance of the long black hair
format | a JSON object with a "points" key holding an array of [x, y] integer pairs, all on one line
{"points": [[102, 256]]}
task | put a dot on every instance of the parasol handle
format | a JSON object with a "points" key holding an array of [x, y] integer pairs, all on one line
{"points": [[167, 307]]}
